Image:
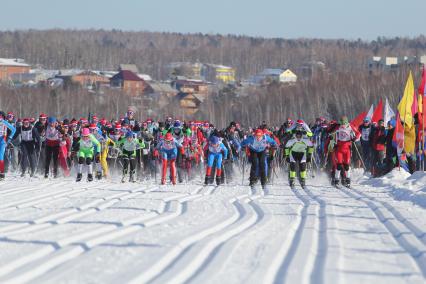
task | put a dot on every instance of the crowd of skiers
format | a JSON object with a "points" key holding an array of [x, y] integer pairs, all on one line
{"points": [[186, 148]]}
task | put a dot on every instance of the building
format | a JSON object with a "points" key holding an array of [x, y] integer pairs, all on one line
{"points": [[10, 66], [218, 73], [272, 74], [185, 69], [129, 83], [190, 103], [128, 67], [90, 79], [377, 63], [191, 86], [162, 89]]}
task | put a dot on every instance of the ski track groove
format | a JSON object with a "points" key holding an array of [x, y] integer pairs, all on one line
{"points": [[417, 254], [317, 275], [71, 214], [280, 264], [420, 234], [72, 247], [178, 251]]}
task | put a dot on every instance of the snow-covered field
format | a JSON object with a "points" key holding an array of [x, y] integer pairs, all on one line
{"points": [[56, 231]]}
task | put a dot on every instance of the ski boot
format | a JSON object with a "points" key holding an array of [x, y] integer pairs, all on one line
{"points": [[291, 182], [218, 180], [348, 183], [46, 176], [1, 176], [265, 189], [132, 178], [22, 175], [98, 175], [206, 180], [89, 177], [79, 176], [302, 183], [336, 182]]}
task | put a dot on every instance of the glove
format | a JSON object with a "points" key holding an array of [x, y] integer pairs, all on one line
{"points": [[287, 159]]}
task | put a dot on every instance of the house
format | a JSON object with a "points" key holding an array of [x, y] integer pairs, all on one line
{"points": [[162, 88], [128, 67], [90, 79], [191, 86], [190, 103], [288, 77], [186, 69], [272, 74], [9, 66], [129, 83], [218, 73]]}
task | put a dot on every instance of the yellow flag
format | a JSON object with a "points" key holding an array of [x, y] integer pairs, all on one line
{"points": [[420, 103], [410, 139], [406, 102]]}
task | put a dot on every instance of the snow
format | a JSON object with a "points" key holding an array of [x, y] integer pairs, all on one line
{"points": [[57, 231]]}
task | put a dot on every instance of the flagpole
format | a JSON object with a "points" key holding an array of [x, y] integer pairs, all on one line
{"points": [[423, 136]]}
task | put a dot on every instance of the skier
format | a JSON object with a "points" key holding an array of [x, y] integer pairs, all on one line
{"points": [[86, 147], [345, 135], [297, 151], [365, 130], [30, 141], [168, 148], [129, 145], [96, 132], [216, 151], [53, 139], [5, 139], [258, 145]]}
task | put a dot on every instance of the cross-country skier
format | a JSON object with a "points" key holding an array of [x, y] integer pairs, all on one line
{"points": [[258, 145], [129, 145], [169, 148], [86, 150], [4, 140], [30, 141], [297, 151], [216, 152]]}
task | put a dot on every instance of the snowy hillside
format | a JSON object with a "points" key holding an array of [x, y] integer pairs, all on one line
{"points": [[56, 231]]}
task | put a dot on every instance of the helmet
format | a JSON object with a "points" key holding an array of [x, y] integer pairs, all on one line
{"points": [[177, 124], [51, 119], [392, 122], [367, 119], [259, 132], [129, 134], [85, 132], [168, 137], [214, 140]]}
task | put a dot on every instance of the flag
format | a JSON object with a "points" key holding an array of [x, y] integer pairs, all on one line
{"points": [[414, 106], [398, 143], [378, 112], [421, 89], [356, 123], [389, 113], [370, 112], [406, 103]]}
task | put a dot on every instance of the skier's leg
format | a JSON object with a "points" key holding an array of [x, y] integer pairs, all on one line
{"points": [[24, 157], [2, 152], [210, 160], [49, 153], [173, 170], [254, 167], [55, 161], [218, 168], [263, 167]]}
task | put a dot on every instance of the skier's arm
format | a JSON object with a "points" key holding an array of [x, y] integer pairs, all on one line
{"points": [[224, 149], [12, 130], [96, 142]]}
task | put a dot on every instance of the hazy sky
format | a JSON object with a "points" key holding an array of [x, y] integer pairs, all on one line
{"points": [[350, 19]]}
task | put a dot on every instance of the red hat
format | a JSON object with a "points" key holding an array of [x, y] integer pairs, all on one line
{"points": [[117, 126], [259, 132], [94, 118], [168, 137], [26, 120], [43, 115], [103, 121], [32, 119], [108, 125], [93, 126]]}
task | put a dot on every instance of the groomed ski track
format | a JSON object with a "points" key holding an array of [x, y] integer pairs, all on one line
{"points": [[57, 231]]}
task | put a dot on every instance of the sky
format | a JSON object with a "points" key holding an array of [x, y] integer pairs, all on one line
{"points": [[349, 19]]}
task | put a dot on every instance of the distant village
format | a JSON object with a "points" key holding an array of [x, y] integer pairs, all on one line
{"points": [[189, 83]]}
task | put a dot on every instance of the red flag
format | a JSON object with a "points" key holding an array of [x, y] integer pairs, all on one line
{"points": [[358, 120], [421, 89], [378, 112]]}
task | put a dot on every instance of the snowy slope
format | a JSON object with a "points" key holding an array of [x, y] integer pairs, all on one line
{"points": [[57, 231]]}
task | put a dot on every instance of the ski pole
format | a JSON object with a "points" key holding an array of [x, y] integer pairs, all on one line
{"points": [[359, 155]]}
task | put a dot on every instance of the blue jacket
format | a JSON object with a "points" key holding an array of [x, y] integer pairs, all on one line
{"points": [[258, 146], [3, 130]]}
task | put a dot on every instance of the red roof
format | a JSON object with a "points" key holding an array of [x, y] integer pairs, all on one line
{"points": [[126, 75]]}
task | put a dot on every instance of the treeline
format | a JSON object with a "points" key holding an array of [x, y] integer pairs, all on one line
{"points": [[329, 95], [152, 51]]}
